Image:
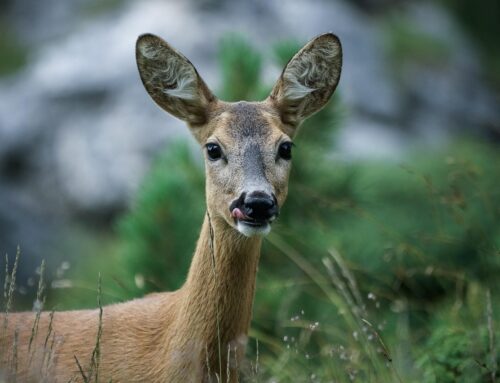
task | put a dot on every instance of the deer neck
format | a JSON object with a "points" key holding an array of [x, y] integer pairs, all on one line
{"points": [[218, 295]]}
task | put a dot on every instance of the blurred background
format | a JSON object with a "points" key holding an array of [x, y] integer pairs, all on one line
{"points": [[391, 234]]}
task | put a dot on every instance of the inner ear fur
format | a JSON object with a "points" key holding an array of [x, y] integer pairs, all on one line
{"points": [[308, 80], [172, 81]]}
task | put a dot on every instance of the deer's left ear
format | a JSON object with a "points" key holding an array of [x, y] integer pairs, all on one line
{"points": [[308, 80]]}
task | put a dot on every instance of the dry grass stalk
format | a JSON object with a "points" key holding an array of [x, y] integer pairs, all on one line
{"points": [[80, 369], [491, 337], [96, 353], [228, 372], [9, 288], [6, 281], [40, 300]]}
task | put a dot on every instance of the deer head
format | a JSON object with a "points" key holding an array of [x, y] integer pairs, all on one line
{"points": [[247, 145]]}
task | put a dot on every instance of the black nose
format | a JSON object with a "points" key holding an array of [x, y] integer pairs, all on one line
{"points": [[260, 206]]}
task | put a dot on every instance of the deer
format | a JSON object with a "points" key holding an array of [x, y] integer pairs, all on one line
{"points": [[197, 333]]}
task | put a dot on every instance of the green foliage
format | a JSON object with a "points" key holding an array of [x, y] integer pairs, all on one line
{"points": [[159, 234], [427, 223], [240, 68], [284, 51], [457, 355]]}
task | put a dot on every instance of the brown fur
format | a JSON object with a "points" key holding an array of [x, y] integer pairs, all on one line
{"points": [[186, 335]]}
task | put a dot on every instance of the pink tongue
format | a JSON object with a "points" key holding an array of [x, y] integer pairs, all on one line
{"points": [[237, 213]]}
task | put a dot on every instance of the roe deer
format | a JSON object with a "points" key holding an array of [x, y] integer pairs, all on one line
{"points": [[187, 335]]}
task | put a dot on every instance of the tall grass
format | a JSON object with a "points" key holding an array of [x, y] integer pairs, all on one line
{"points": [[9, 351]]}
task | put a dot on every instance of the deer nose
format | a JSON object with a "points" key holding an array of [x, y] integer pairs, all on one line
{"points": [[260, 206]]}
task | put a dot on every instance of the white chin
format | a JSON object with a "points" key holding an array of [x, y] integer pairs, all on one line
{"points": [[250, 231]]}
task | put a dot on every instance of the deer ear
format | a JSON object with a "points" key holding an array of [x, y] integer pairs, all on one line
{"points": [[172, 81], [308, 80]]}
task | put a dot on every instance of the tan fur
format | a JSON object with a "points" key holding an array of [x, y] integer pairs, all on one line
{"points": [[186, 335]]}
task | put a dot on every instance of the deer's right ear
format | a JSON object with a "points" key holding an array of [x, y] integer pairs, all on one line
{"points": [[308, 80], [172, 81]]}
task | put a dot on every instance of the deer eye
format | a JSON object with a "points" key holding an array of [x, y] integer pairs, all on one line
{"points": [[285, 150], [214, 151]]}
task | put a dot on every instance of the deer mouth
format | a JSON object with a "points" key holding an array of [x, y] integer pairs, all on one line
{"points": [[249, 226], [239, 216]]}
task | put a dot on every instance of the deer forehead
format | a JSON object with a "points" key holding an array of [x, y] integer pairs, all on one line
{"points": [[244, 123]]}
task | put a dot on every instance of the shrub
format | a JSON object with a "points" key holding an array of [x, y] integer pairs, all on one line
{"points": [[458, 355]]}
